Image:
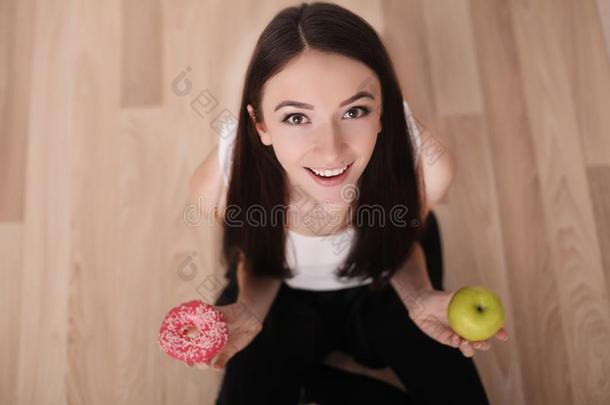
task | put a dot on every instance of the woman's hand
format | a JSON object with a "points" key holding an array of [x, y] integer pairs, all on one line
{"points": [[243, 327], [429, 313]]}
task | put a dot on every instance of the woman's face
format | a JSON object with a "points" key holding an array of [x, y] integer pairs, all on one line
{"points": [[322, 112]]}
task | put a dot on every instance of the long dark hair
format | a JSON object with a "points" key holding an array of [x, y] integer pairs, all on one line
{"points": [[258, 186]]}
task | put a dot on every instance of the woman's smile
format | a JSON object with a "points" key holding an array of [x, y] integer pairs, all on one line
{"points": [[329, 177]]}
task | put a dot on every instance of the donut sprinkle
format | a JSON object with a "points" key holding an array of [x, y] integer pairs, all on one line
{"points": [[212, 334]]}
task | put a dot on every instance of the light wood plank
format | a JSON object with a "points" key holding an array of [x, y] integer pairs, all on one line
{"points": [[16, 21], [452, 55], [474, 247], [142, 54], [11, 238], [588, 69], [568, 217], [541, 350], [96, 312], [47, 235], [603, 8], [599, 186], [407, 42]]}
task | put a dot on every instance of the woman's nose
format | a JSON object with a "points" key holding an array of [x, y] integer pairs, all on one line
{"points": [[330, 144]]}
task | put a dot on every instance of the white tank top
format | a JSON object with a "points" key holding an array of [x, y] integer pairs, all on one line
{"points": [[314, 260]]}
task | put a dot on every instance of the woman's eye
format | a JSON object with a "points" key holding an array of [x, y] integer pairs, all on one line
{"points": [[288, 119], [364, 110], [297, 118]]}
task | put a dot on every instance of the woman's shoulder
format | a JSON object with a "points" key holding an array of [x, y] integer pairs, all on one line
{"points": [[226, 142], [413, 127], [207, 188]]}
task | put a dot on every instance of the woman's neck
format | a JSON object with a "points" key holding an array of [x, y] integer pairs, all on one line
{"points": [[313, 218]]}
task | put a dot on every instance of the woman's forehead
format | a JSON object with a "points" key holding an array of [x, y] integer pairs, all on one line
{"points": [[320, 79]]}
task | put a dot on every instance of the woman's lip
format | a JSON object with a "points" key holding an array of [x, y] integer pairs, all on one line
{"points": [[318, 169], [332, 181]]}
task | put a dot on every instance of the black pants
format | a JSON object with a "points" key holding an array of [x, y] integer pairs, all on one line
{"points": [[284, 363]]}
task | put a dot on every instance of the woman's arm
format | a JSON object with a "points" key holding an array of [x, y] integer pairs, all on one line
{"points": [[426, 306], [412, 280], [436, 166], [207, 183], [244, 317], [255, 292]]}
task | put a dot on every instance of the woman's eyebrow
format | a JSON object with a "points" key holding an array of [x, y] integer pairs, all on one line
{"points": [[299, 104]]}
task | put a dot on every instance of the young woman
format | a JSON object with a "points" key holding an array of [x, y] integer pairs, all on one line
{"points": [[324, 215]]}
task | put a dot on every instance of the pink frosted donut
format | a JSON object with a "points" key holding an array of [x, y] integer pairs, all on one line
{"points": [[174, 336]]}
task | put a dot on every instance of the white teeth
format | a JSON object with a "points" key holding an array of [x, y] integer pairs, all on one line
{"points": [[329, 173]]}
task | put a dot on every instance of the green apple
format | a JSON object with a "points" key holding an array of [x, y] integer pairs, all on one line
{"points": [[475, 313]]}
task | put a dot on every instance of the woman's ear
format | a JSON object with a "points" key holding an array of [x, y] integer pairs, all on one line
{"points": [[251, 113], [260, 127]]}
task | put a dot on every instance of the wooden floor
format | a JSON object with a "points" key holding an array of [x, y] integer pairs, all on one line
{"points": [[99, 134]]}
